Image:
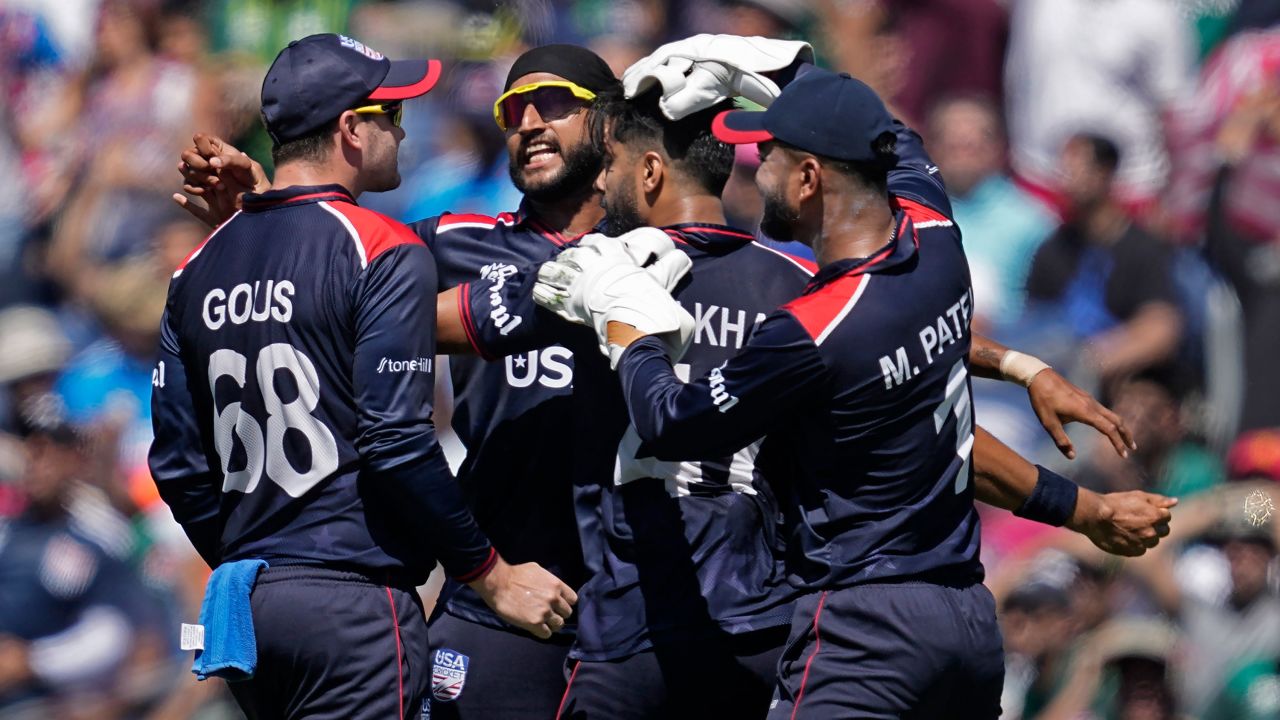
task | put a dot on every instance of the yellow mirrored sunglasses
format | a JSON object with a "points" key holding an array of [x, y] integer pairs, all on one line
{"points": [[553, 99], [394, 109]]}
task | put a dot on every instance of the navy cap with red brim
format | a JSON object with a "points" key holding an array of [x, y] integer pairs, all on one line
{"points": [[407, 79], [740, 127]]}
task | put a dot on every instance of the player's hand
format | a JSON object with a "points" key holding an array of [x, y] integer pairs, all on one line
{"points": [[599, 282], [15, 662], [527, 596], [1122, 523], [698, 72], [1056, 402], [218, 175]]}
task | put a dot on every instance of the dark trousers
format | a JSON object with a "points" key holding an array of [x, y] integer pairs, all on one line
{"points": [[335, 645], [724, 676], [912, 650], [482, 672]]}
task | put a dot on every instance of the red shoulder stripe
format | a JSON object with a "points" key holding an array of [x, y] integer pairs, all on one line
{"points": [[373, 232], [822, 310], [922, 213]]}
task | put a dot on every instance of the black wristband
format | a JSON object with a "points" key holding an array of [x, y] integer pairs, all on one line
{"points": [[1052, 501]]}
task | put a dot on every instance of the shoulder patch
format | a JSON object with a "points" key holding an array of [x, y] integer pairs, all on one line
{"points": [[372, 232], [821, 311]]}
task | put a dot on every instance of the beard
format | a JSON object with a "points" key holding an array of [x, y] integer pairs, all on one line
{"points": [[383, 168], [582, 164], [621, 211], [778, 219]]}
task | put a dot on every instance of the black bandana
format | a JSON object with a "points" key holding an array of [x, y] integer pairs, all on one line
{"points": [[571, 62]]}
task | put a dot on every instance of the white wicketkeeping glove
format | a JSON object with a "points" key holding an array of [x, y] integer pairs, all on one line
{"points": [[600, 280], [698, 72]]}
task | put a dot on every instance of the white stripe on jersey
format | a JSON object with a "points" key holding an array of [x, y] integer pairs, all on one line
{"points": [[844, 311], [460, 225], [781, 254], [196, 254], [355, 236]]}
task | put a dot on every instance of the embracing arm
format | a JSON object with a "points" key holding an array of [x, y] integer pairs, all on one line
{"points": [[1121, 523]]}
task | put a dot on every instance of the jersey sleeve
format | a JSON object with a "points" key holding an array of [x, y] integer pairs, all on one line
{"points": [[394, 383], [734, 405], [187, 478], [914, 176], [500, 317]]}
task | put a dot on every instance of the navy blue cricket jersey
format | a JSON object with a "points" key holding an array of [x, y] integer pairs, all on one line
{"points": [[515, 481], [292, 396], [863, 383], [675, 548]]}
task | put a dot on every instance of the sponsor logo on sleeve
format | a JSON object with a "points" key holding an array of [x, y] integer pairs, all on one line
{"points": [[422, 364], [497, 274]]}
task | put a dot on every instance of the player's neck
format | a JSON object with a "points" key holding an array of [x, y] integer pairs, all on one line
{"points": [[572, 216], [687, 208], [306, 174], [854, 229]]}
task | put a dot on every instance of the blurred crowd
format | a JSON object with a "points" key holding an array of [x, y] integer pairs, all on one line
{"points": [[1114, 166]]}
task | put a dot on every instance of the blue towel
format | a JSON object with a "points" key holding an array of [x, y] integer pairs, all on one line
{"points": [[230, 648]]}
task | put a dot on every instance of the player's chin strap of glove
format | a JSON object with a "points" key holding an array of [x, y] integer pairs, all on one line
{"points": [[601, 280], [698, 72]]}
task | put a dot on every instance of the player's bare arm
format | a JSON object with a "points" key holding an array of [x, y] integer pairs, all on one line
{"points": [[1120, 523], [1055, 400]]}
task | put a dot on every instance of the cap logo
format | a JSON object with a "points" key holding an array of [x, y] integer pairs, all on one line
{"points": [[359, 47]]}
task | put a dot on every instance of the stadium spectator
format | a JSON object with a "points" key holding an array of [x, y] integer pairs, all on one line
{"points": [[33, 351], [1077, 65], [1101, 278], [915, 52], [119, 124], [1245, 625], [1167, 461], [1002, 224], [1244, 242], [64, 622]]}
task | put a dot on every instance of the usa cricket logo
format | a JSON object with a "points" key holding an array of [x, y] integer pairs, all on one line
{"points": [[448, 674]]}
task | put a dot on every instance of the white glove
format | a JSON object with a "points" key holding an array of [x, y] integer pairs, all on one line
{"points": [[698, 72], [599, 282], [642, 246]]}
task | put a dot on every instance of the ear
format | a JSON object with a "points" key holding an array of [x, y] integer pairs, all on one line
{"points": [[350, 129], [810, 172], [652, 168]]}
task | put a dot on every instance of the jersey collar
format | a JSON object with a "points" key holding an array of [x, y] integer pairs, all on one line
{"points": [[295, 195], [525, 220], [709, 237], [901, 248]]}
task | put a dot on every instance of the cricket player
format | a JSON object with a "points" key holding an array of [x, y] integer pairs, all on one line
{"points": [[292, 405], [517, 486], [684, 611], [506, 672], [879, 480]]}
